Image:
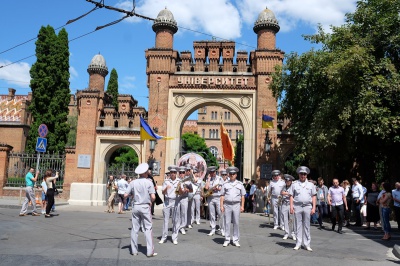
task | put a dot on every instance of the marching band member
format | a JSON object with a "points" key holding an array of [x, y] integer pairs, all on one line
{"points": [[274, 191], [214, 183], [143, 194], [168, 189], [181, 206], [302, 205], [225, 179], [288, 218], [232, 204], [190, 197], [196, 201]]}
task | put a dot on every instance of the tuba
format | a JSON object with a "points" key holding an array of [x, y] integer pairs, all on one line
{"points": [[188, 178]]}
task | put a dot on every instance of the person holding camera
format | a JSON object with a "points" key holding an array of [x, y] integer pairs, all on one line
{"points": [[50, 190], [30, 193], [112, 191]]}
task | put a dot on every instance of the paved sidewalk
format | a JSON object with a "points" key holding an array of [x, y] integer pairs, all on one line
{"points": [[88, 236]]}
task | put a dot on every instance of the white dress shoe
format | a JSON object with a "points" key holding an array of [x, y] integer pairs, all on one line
{"points": [[175, 242], [197, 222], [211, 233], [152, 255], [236, 244], [183, 232], [294, 237], [275, 227], [308, 248], [296, 248], [189, 226], [282, 228], [226, 243], [285, 237], [162, 241]]}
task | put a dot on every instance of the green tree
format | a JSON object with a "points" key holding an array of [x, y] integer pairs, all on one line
{"points": [[194, 143], [342, 99], [112, 87], [73, 124], [124, 155], [50, 89]]}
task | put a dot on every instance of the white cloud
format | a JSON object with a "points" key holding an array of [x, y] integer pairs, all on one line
{"points": [[224, 18], [290, 12], [15, 74], [216, 17], [72, 73], [127, 84]]}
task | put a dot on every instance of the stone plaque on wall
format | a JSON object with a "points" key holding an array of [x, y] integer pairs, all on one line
{"points": [[84, 160], [266, 170]]}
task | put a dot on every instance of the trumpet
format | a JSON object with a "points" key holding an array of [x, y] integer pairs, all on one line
{"points": [[188, 178]]}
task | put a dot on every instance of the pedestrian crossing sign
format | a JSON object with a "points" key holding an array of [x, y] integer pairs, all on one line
{"points": [[41, 144]]}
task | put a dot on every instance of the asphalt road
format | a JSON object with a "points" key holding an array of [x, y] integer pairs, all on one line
{"points": [[88, 236]]}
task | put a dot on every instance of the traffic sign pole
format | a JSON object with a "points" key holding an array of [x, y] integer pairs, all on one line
{"points": [[41, 143], [37, 162]]}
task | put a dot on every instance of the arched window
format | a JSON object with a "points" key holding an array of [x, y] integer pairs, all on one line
{"points": [[229, 116], [217, 135], [214, 151], [116, 123], [230, 133], [203, 133], [210, 136]]}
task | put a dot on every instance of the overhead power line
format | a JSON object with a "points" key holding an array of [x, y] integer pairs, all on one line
{"points": [[127, 15], [32, 39]]}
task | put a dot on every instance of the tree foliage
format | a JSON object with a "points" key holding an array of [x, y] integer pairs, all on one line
{"points": [[50, 89], [112, 87], [124, 156], [194, 143], [343, 99], [73, 125]]}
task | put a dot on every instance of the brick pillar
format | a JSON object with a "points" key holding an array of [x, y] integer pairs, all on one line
{"points": [[4, 152], [70, 175]]}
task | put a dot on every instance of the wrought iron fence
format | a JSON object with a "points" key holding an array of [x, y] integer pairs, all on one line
{"points": [[118, 170], [20, 163]]}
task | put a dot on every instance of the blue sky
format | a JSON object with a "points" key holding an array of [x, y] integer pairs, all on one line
{"points": [[123, 45]]}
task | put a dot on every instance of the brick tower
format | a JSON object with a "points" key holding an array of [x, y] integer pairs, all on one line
{"points": [[161, 62], [264, 60], [90, 102]]}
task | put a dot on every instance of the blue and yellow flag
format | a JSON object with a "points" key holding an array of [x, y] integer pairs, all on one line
{"points": [[147, 133], [267, 121]]}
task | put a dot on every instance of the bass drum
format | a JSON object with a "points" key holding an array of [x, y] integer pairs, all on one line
{"points": [[194, 160]]}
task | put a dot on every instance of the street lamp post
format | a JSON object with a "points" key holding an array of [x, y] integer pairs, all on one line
{"points": [[268, 142]]}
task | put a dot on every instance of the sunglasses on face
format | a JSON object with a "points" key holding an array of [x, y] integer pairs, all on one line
{"points": [[302, 174]]}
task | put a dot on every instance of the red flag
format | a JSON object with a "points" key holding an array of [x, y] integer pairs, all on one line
{"points": [[227, 147]]}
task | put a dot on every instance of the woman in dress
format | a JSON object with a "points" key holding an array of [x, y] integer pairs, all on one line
{"points": [[370, 199]]}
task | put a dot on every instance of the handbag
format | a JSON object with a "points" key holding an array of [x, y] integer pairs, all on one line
{"points": [[56, 192], [158, 199]]}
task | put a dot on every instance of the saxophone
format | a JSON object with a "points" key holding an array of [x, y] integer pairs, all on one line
{"points": [[188, 178], [210, 191]]}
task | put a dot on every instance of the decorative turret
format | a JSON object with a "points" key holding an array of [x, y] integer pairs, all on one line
{"points": [[266, 27], [165, 27], [97, 72]]}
